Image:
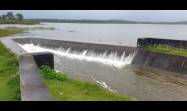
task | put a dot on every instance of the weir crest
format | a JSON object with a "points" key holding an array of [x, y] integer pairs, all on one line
{"points": [[111, 59]]}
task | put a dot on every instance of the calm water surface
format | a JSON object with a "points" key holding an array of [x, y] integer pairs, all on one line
{"points": [[123, 34]]}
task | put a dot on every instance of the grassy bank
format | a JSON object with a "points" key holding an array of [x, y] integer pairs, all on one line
{"points": [[64, 88], [6, 32], [166, 49], [15, 21], [9, 78]]}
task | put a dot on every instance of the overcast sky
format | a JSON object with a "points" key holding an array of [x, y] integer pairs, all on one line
{"points": [[134, 15]]}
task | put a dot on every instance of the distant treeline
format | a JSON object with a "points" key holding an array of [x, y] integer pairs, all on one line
{"points": [[15, 21], [11, 18], [103, 21]]}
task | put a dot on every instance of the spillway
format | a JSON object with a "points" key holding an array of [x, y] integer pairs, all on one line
{"points": [[111, 59]]}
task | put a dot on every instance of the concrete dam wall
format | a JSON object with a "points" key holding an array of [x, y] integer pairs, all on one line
{"points": [[166, 62], [152, 41]]}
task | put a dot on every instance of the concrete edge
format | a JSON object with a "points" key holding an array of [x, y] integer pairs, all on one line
{"points": [[32, 86]]}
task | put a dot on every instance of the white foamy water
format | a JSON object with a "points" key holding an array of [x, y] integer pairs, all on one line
{"points": [[110, 59], [103, 84]]}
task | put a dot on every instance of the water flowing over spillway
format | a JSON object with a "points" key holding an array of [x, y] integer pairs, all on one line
{"points": [[112, 59]]}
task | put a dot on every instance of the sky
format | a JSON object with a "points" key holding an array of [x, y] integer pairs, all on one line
{"points": [[133, 15]]}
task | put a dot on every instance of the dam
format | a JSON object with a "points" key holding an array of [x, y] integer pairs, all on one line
{"points": [[114, 67], [117, 56]]}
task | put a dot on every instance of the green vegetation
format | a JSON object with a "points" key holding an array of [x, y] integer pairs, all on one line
{"points": [[64, 88], [6, 32], [30, 28], [9, 77], [166, 49], [15, 21], [10, 18]]}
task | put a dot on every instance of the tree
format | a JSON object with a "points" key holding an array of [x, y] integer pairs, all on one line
{"points": [[19, 16], [10, 15], [4, 16]]}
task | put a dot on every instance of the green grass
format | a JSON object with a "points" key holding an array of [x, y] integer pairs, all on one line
{"points": [[65, 88], [6, 32], [166, 49], [15, 21], [9, 77]]}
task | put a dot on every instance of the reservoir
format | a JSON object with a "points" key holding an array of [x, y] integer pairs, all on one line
{"points": [[122, 34]]}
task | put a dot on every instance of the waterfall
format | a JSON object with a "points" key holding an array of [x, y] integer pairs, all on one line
{"points": [[112, 59]]}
